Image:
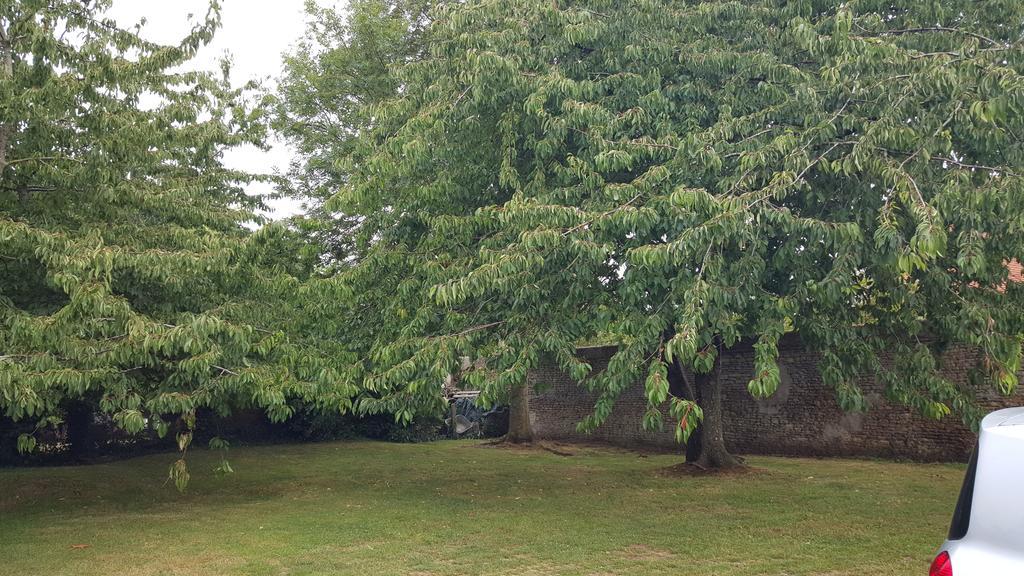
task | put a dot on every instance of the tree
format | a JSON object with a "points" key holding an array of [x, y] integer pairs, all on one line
{"points": [[348, 66], [344, 67], [680, 177], [126, 277]]}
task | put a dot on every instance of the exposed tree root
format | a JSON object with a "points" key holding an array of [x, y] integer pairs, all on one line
{"points": [[693, 469], [536, 445]]}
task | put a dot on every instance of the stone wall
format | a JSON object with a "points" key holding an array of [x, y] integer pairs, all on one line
{"points": [[802, 418]]}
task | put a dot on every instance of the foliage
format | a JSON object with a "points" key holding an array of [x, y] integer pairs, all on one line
{"points": [[344, 66], [348, 65], [125, 272], [681, 177], [312, 423]]}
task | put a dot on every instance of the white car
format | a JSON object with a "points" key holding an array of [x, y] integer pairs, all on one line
{"points": [[987, 534]]}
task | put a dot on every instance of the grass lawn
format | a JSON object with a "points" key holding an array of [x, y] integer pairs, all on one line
{"points": [[458, 508]]}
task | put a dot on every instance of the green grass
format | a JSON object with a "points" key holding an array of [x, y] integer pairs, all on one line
{"points": [[459, 508]]}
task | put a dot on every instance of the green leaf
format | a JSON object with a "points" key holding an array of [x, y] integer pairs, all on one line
{"points": [[26, 443]]}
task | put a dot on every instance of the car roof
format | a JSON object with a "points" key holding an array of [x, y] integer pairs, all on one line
{"points": [[1009, 417]]}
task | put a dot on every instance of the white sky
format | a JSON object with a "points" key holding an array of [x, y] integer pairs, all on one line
{"points": [[255, 33]]}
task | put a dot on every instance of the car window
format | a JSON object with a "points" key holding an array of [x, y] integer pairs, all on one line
{"points": [[962, 514]]}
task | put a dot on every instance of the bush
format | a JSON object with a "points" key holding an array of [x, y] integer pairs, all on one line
{"points": [[9, 432], [420, 430], [310, 424]]}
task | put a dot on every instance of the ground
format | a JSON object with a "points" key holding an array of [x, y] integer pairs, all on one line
{"points": [[456, 507]]}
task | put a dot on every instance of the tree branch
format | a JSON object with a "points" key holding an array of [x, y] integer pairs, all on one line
{"points": [[939, 29], [42, 159], [224, 370], [6, 74], [607, 213], [473, 329], [959, 164]]}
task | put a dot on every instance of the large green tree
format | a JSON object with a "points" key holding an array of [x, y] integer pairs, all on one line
{"points": [[347, 67], [127, 280], [344, 67], [679, 177]]}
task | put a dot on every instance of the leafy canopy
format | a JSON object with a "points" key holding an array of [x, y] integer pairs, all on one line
{"points": [[126, 277], [344, 66], [677, 177], [347, 66]]}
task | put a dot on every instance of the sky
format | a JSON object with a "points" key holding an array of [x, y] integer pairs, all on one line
{"points": [[255, 33]]}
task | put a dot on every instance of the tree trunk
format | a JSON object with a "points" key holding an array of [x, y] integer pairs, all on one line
{"points": [[713, 454], [519, 429], [680, 386], [6, 73], [79, 418]]}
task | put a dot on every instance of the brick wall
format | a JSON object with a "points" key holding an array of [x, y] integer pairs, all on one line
{"points": [[802, 418]]}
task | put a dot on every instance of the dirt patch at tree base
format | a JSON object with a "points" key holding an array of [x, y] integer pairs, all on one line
{"points": [[536, 446], [691, 470]]}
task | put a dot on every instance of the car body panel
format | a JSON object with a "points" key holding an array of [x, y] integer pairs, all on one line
{"points": [[994, 541], [973, 560]]}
